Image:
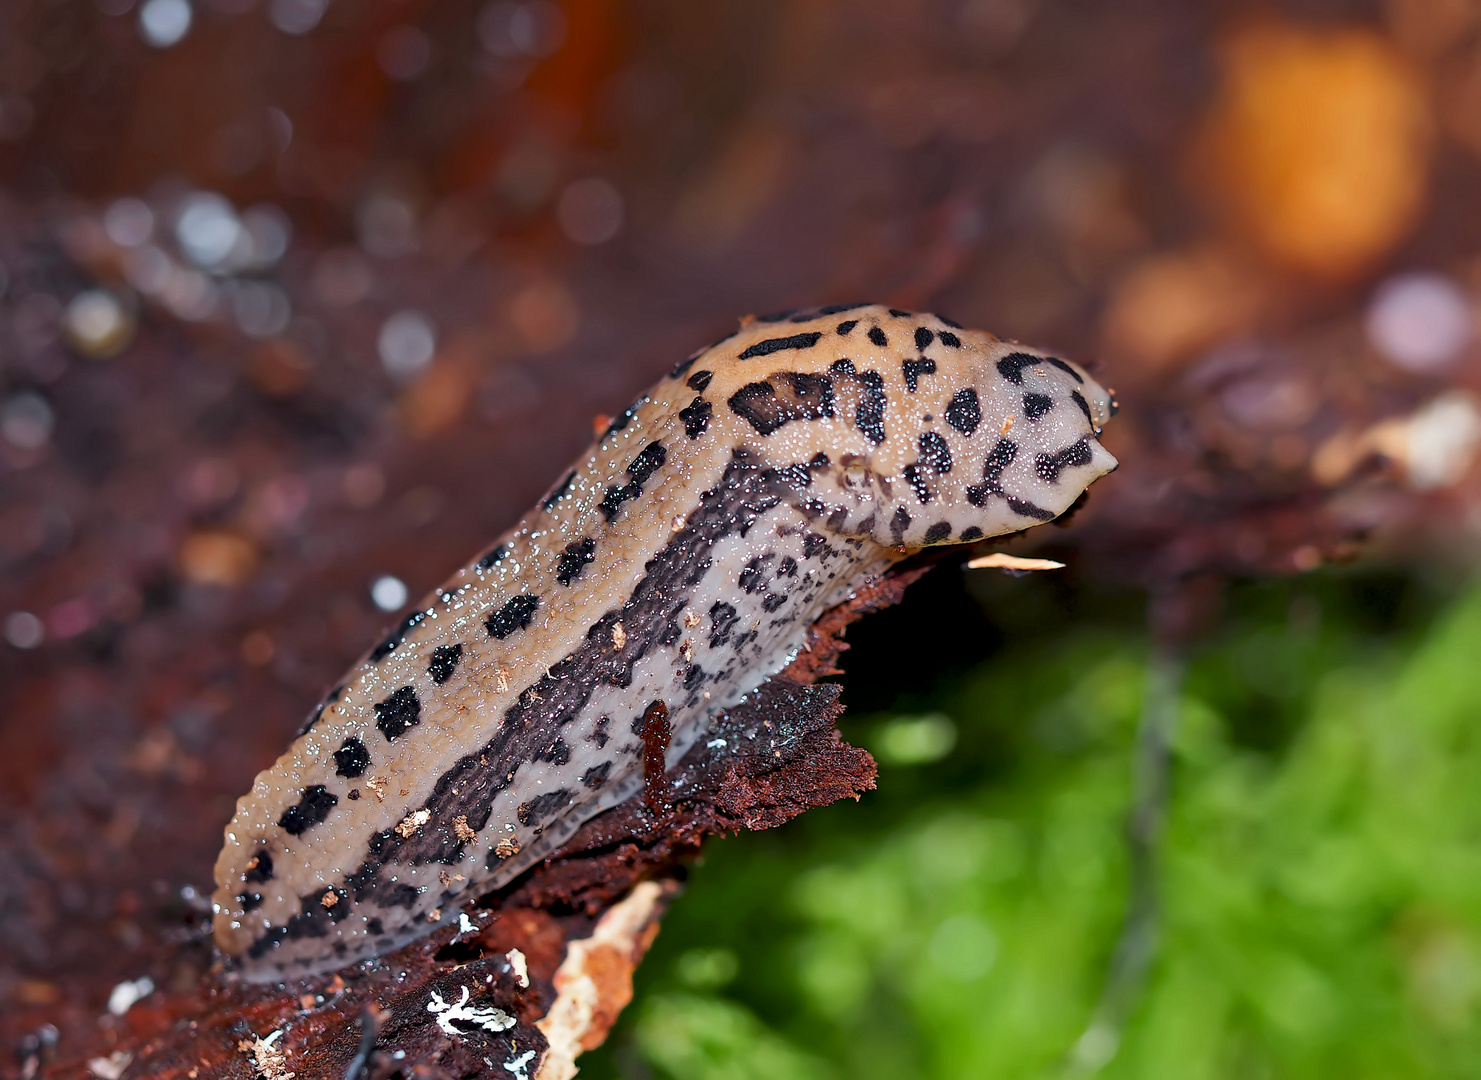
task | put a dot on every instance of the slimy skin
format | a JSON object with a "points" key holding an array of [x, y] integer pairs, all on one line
{"points": [[681, 560]]}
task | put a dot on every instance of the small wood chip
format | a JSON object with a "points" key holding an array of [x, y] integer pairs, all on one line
{"points": [[1000, 561]]}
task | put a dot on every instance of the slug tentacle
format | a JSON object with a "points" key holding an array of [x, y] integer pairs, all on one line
{"points": [[679, 563]]}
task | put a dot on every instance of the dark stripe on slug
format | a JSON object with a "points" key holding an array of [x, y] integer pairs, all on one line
{"points": [[313, 807], [351, 759], [785, 396], [1048, 466], [948, 338], [444, 661], [542, 806], [1079, 400], [398, 712], [746, 491], [514, 615], [773, 345], [950, 322], [555, 496], [777, 316], [1071, 372], [1011, 366], [843, 328], [596, 776], [897, 313], [837, 309], [696, 417], [722, 621], [965, 411], [493, 558], [869, 413]]}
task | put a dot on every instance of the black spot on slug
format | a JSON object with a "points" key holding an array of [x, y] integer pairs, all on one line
{"points": [[649, 460], [722, 621], [938, 532], [948, 338], [351, 759], [574, 559], [260, 868], [398, 712], [444, 661], [914, 369], [970, 533], [897, 313], [842, 366], [492, 558], [934, 453], [999, 459], [313, 806], [916, 478], [965, 411], [784, 397], [899, 523], [869, 414], [1011, 366], [923, 337], [772, 345], [876, 335], [753, 575], [843, 328], [1036, 405], [394, 638], [699, 380], [596, 776], [514, 615], [696, 416]]}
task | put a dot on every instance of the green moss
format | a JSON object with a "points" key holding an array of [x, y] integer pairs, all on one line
{"points": [[1318, 877]]}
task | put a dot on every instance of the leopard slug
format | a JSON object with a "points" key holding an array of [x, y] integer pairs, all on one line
{"points": [[680, 560]]}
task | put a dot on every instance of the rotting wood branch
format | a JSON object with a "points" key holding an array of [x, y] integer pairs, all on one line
{"points": [[537, 972]]}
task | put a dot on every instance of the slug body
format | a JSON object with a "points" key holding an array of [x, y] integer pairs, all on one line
{"points": [[680, 561]]}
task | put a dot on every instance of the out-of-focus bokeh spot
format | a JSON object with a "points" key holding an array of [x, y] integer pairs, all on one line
{"points": [[1422, 322], [1319, 144]]}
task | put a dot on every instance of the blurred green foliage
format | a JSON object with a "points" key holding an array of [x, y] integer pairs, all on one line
{"points": [[1318, 879]]}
